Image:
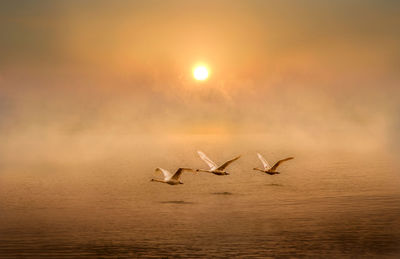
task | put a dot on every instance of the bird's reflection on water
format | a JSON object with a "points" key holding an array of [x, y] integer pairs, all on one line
{"points": [[176, 202], [222, 193]]}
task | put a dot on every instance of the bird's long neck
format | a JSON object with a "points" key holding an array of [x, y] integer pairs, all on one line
{"points": [[156, 180], [206, 171], [258, 169]]}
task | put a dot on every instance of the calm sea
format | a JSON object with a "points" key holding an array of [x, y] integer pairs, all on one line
{"points": [[86, 204]]}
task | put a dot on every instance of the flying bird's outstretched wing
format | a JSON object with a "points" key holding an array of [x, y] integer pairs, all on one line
{"points": [[263, 161], [279, 162], [179, 172], [209, 162], [224, 165], [167, 174]]}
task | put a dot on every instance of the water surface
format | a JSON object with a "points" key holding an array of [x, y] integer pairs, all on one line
{"points": [[326, 204]]}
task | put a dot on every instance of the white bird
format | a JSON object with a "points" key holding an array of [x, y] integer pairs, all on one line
{"points": [[214, 169], [169, 178], [267, 168]]}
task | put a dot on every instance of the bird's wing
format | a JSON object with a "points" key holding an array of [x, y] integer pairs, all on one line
{"points": [[179, 172], [263, 161], [279, 162], [224, 165], [167, 174], [209, 162]]}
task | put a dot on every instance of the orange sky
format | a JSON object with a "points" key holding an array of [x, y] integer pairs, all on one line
{"points": [[126, 66]]}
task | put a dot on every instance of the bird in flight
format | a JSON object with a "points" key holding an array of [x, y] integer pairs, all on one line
{"points": [[214, 169], [169, 178], [271, 170]]}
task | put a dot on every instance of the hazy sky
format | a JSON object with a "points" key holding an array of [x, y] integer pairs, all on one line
{"points": [[309, 69]]}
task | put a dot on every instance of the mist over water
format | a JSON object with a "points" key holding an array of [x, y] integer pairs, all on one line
{"points": [[327, 203], [77, 158]]}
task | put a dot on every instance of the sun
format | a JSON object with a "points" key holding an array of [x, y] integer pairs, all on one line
{"points": [[200, 73]]}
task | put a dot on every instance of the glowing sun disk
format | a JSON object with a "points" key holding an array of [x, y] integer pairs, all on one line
{"points": [[200, 73]]}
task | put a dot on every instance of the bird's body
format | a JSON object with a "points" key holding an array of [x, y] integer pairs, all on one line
{"points": [[169, 178], [271, 170], [266, 171], [214, 169], [216, 172]]}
